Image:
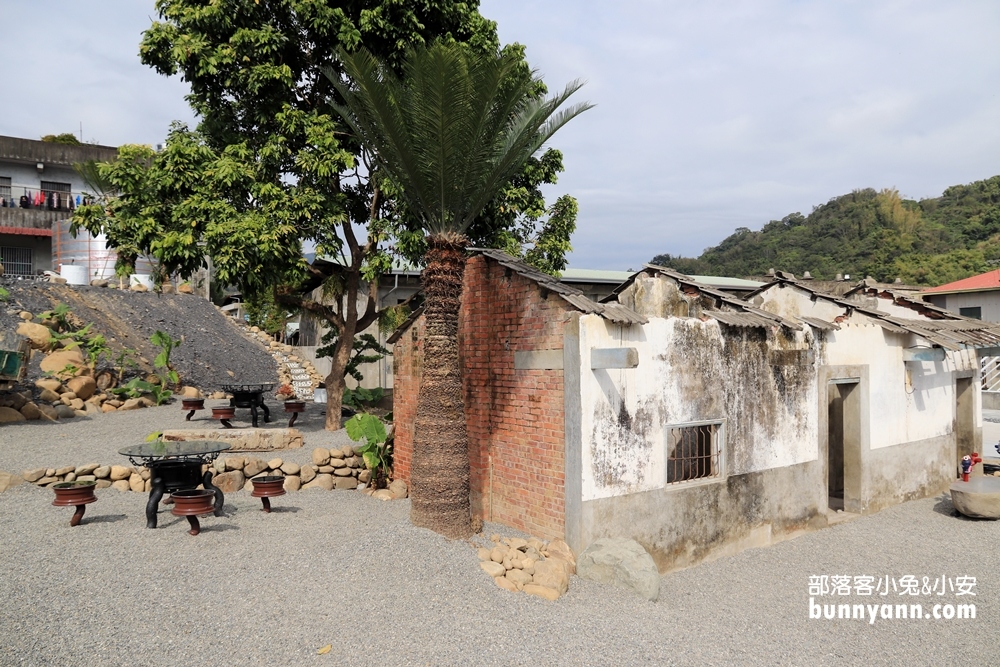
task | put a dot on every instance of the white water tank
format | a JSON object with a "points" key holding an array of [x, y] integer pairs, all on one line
{"points": [[75, 274]]}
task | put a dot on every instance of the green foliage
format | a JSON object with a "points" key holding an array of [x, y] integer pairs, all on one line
{"points": [[365, 350], [67, 138], [136, 388], [377, 450], [63, 331], [361, 399], [264, 312], [4, 294], [57, 319], [124, 361], [863, 233], [166, 344], [453, 130]]}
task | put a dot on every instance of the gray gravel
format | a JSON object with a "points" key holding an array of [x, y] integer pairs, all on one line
{"points": [[340, 568]]}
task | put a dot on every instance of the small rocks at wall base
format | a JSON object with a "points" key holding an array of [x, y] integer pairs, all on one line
{"points": [[620, 562], [543, 592], [493, 569], [11, 416], [560, 550], [505, 583]]}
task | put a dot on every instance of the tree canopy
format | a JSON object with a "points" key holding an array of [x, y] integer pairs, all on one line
{"points": [[868, 232]]}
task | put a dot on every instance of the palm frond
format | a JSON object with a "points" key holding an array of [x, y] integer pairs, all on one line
{"points": [[453, 129]]}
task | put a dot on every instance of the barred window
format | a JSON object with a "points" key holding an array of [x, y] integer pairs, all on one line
{"points": [[17, 261], [694, 451], [5, 187]]}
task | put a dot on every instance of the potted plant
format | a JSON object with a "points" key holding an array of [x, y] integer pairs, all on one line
{"points": [[74, 494]]}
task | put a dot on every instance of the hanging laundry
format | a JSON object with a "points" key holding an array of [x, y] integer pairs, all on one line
{"points": [[78, 200]]}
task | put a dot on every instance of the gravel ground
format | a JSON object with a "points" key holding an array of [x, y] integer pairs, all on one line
{"points": [[215, 350], [340, 568]]}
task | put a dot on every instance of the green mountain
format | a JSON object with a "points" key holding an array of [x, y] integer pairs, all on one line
{"points": [[868, 233]]}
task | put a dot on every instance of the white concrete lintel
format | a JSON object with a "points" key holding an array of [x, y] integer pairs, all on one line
{"points": [[614, 357]]}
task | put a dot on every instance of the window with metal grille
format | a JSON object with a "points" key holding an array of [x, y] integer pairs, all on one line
{"points": [[57, 195], [5, 187], [17, 261], [694, 451]]}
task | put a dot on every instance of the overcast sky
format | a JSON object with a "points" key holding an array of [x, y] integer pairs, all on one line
{"points": [[710, 116]]}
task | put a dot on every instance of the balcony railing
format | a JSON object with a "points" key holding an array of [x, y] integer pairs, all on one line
{"points": [[26, 196]]}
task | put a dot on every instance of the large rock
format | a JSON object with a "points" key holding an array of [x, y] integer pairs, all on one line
{"points": [[58, 361], [254, 467], [38, 335], [321, 482], [398, 489], [65, 412], [235, 462], [978, 498], [307, 473], [49, 383], [229, 482], [83, 386], [121, 485], [8, 480], [559, 549], [49, 396], [30, 411], [190, 392], [493, 569], [87, 469], [33, 475], [131, 404], [48, 412], [136, 482], [120, 472], [290, 468], [102, 472], [620, 562], [553, 574], [346, 484], [11, 416], [292, 483], [13, 400], [320, 456]]}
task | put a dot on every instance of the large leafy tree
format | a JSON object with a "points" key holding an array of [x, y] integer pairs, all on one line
{"points": [[270, 173], [449, 133]]}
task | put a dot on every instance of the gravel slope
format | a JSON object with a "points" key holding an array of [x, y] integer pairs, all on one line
{"points": [[214, 352], [340, 568]]}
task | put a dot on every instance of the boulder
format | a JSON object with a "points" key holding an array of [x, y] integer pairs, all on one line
{"points": [[274, 464], [337, 463], [307, 473], [190, 392], [320, 456], [321, 482], [102, 472], [49, 396], [13, 400], [235, 462], [229, 482], [292, 483], [492, 569], [185, 288], [30, 411], [346, 484], [506, 584], [107, 407], [65, 412], [38, 335], [620, 562], [120, 472], [121, 485], [560, 550], [131, 404], [49, 383], [254, 466], [290, 468], [365, 476], [336, 453], [33, 475], [103, 484], [48, 412], [83, 386], [398, 489], [136, 482], [552, 574], [58, 361], [11, 416], [340, 472], [87, 469], [978, 498], [519, 577], [543, 592], [9, 480]]}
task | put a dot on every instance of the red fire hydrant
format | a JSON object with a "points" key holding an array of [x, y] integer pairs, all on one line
{"points": [[967, 462]]}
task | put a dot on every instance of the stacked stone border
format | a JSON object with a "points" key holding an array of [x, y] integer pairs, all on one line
{"points": [[332, 469], [529, 565]]}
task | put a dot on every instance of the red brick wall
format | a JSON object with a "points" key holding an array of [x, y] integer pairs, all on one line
{"points": [[515, 418]]}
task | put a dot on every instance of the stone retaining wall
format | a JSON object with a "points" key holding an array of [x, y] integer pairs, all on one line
{"points": [[338, 468]]}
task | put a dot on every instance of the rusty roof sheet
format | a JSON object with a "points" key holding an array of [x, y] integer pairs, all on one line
{"points": [[614, 312]]}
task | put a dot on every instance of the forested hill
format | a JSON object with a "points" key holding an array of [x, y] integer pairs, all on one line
{"points": [[868, 233]]}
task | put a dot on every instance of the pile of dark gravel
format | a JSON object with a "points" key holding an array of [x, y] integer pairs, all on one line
{"points": [[215, 349]]}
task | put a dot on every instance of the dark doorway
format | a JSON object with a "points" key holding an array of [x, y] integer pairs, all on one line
{"points": [[844, 445]]}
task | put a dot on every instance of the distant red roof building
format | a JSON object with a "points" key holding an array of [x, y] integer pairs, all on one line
{"points": [[984, 281]]}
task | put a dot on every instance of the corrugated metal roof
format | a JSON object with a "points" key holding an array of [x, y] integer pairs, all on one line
{"points": [[614, 312], [817, 323]]}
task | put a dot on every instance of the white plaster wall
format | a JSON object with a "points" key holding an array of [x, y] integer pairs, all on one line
{"points": [[26, 175], [988, 301], [625, 453]]}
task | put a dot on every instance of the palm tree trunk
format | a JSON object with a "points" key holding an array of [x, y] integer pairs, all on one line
{"points": [[440, 469]]}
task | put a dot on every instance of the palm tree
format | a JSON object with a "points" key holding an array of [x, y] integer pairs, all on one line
{"points": [[449, 133]]}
